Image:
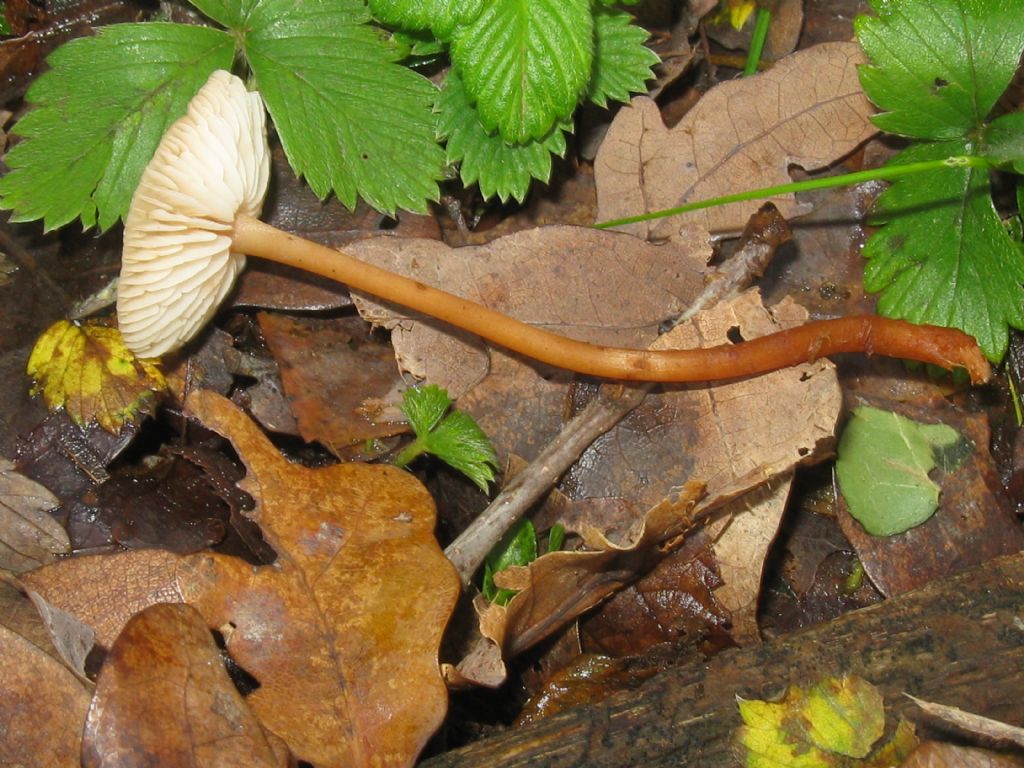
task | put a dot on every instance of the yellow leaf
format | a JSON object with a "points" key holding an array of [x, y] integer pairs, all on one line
{"points": [[87, 370], [835, 719]]}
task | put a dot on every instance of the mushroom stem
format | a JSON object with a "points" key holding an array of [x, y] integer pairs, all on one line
{"points": [[945, 347]]}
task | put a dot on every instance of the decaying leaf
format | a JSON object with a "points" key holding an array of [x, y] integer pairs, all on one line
{"points": [[342, 631], [87, 370], [42, 706], [977, 725], [935, 754], [808, 110], [29, 535], [823, 725], [164, 696]]}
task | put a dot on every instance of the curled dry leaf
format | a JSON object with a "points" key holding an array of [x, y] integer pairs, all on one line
{"points": [[29, 535], [808, 110], [164, 695], [42, 706]]}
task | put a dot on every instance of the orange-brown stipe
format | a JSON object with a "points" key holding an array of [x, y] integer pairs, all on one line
{"points": [[945, 347]]}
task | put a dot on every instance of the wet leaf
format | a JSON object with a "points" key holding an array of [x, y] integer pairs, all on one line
{"points": [[29, 535], [42, 706], [934, 754], [883, 465], [87, 370], [164, 696]]}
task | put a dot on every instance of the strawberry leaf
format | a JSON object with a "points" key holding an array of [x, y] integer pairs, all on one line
{"points": [[939, 66], [499, 168], [943, 255], [526, 63], [622, 63], [99, 114], [439, 16]]}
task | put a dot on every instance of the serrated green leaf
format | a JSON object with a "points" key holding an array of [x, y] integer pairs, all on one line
{"points": [[100, 112], [423, 407], [499, 168], [525, 63], [439, 16], [1003, 141], [942, 255], [883, 465], [350, 119], [622, 63], [939, 66], [460, 443]]}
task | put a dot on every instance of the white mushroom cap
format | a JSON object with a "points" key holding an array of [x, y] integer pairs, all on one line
{"points": [[177, 266]]}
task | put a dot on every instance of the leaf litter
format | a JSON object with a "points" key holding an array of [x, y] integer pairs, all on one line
{"points": [[491, 381]]}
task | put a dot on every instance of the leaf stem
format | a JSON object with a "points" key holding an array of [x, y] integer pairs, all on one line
{"points": [[757, 40], [410, 453], [885, 173]]}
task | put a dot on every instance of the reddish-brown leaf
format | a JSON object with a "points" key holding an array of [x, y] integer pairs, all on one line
{"points": [[165, 698]]}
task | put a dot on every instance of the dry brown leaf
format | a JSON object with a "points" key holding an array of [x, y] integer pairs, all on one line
{"points": [[104, 591], [329, 371], [934, 754], [42, 706], [977, 725], [808, 110], [592, 285], [29, 535], [164, 697], [343, 630]]}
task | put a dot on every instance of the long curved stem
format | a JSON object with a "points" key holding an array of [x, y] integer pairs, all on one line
{"points": [[946, 347]]}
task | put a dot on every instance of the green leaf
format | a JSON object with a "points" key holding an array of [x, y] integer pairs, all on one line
{"points": [[525, 63], [456, 439], [439, 16], [622, 63], [350, 119], [499, 168], [1003, 141], [943, 255], [939, 66], [461, 444], [824, 725], [100, 111], [883, 465], [517, 547]]}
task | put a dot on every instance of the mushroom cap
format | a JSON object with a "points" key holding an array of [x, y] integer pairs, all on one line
{"points": [[177, 265]]}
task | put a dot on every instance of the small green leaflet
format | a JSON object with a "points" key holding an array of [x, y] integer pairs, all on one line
{"points": [[939, 66], [622, 63], [499, 168], [526, 63], [518, 547], [99, 114], [883, 465], [943, 256], [454, 438]]}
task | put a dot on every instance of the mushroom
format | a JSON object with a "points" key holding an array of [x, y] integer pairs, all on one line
{"points": [[194, 218]]}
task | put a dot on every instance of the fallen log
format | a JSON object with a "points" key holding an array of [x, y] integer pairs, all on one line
{"points": [[959, 641]]}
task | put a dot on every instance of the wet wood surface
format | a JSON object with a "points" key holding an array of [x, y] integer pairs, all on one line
{"points": [[959, 641]]}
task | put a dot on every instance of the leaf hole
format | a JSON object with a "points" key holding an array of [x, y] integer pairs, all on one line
{"points": [[803, 450], [734, 334], [939, 84]]}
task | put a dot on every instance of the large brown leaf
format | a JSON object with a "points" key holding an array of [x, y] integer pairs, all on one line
{"points": [[342, 631], [808, 110]]}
